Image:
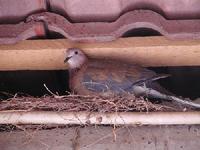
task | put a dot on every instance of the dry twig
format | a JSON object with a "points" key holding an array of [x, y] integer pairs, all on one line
{"points": [[75, 103]]}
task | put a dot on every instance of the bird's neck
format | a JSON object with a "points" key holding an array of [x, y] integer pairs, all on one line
{"points": [[73, 71], [75, 75]]}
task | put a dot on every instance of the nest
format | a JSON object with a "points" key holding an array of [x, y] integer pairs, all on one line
{"points": [[76, 103]]}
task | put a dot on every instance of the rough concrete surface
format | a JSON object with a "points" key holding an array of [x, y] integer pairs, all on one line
{"points": [[104, 138]]}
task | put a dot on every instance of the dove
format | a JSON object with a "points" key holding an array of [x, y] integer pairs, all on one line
{"points": [[104, 77]]}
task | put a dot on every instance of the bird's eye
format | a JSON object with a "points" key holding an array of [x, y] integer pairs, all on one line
{"points": [[76, 52]]}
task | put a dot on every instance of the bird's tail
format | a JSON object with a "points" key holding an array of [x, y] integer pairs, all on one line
{"points": [[151, 93], [153, 78]]}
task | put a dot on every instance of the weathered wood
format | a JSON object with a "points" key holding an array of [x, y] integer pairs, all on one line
{"points": [[151, 51]]}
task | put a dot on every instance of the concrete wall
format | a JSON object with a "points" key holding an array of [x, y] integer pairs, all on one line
{"points": [[103, 138]]}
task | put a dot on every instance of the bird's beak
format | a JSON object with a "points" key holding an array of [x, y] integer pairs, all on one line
{"points": [[67, 58]]}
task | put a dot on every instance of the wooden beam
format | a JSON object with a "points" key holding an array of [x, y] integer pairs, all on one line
{"points": [[145, 51]]}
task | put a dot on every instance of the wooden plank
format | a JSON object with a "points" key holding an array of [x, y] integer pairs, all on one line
{"points": [[145, 51]]}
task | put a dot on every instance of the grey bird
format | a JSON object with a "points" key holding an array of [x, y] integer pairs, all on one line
{"points": [[104, 77]]}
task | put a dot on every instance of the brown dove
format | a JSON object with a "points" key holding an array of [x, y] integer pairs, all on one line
{"points": [[93, 77], [100, 77]]}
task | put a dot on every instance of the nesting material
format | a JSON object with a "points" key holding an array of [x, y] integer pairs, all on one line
{"points": [[83, 110], [76, 103]]}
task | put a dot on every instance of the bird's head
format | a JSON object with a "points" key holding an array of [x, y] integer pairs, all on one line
{"points": [[75, 58]]}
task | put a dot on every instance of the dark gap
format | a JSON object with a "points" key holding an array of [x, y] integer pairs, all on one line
{"points": [[49, 35], [31, 82], [184, 81], [37, 38], [141, 32], [55, 35], [48, 5]]}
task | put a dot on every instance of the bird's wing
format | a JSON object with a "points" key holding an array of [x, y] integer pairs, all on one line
{"points": [[150, 79], [134, 72], [101, 76]]}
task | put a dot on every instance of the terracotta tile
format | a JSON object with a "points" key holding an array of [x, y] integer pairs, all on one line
{"points": [[13, 11]]}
